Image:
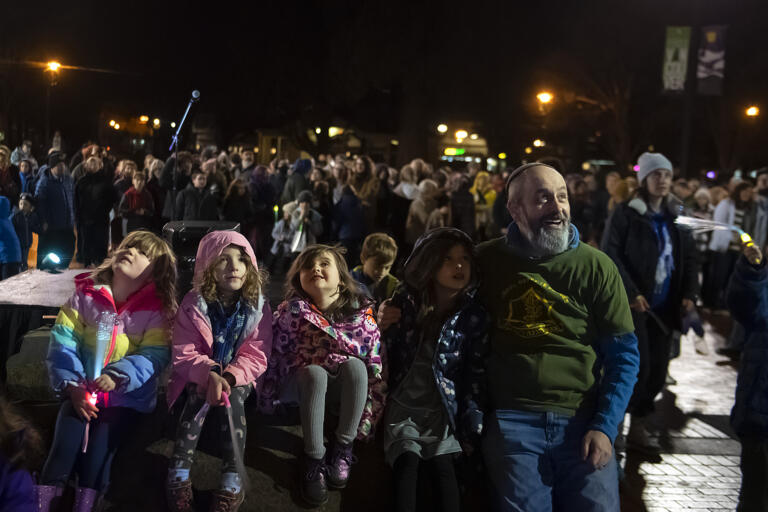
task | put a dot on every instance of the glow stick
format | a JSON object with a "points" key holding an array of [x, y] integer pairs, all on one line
{"points": [[239, 464], [703, 225]]}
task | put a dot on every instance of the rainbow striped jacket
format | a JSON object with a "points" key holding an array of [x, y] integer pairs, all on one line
{"points": [[135, 350]]}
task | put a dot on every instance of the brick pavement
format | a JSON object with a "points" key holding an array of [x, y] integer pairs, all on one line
{"points": [[698, 468]]}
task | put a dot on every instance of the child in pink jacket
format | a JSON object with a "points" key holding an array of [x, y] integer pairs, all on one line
{"points": [[221, 340]]}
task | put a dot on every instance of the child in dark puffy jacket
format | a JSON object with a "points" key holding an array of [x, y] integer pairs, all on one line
{"points": [[25, 222], [435, 352], [747, 298]]}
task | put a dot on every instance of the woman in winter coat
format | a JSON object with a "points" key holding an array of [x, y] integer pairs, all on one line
{"points": [[657, 263]]}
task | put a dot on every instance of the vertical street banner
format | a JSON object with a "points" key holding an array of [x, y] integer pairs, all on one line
{"points": [[676, 59], [711, 66]]}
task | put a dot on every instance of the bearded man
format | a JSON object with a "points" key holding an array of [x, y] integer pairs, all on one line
{"points": [[563, 355]]}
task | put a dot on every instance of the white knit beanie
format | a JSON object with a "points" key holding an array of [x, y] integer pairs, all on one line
{"points": [[649, 162]]}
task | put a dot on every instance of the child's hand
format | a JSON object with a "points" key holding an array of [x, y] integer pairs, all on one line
{"points": [[104, 383], [388, 315], [752, 253], [80, 401], [216, 385]]}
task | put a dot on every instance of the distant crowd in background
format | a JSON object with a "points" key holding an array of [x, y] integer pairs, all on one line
{"points": [[83, 205]]}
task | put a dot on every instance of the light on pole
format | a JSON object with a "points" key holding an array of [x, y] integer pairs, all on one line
{"points": [[753, 111], [442, 128], [52, 69]]}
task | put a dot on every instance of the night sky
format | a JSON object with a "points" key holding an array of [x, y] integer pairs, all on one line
{"points": [[393, 67]]}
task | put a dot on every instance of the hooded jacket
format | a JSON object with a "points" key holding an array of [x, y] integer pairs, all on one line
{"points": [[747, 298], [10, 249], [303, 336], [192, 349], [136, 353]]}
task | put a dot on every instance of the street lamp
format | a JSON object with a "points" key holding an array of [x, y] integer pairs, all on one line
{"points": [[539, 143], [544, 97], [156, 123], [753, 111], [144, 119], [52, 68], [442, 128], [461, 134]]}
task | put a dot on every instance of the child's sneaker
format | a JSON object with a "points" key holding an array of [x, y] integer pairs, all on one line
{"points": [[313, 487], [339, 465], [226, 501], [179, 496]]}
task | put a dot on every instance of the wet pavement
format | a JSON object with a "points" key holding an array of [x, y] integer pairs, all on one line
{"points": [[698, 467]]}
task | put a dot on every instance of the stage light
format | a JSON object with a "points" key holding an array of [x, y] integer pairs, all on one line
{"points": [[51, 263], [711, 175]]}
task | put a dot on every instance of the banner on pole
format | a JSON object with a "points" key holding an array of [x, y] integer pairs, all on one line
{"points": [[711, 66], [676, 58]]}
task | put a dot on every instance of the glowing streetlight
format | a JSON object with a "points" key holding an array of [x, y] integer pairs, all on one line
{"points": [[143, 119], [112, 123], [473, 136], [156, 123], [117, 126], [544, 97], [539, 143], [53, 66], [173, 125], [461, 134], [528, 150], [753, 111], [442, 128], [318, 130], [502, 156]]}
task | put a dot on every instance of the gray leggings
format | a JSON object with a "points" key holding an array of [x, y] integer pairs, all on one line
{"points": [[348, 389]]}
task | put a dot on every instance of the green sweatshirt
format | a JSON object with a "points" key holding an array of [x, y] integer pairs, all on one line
{"points": [[546, 314]]}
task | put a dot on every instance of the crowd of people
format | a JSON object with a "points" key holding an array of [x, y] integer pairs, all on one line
{"points": [[511, 318]]}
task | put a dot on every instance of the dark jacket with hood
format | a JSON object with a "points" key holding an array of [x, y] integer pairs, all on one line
{"points": [[630, 240], [458, 363], [747, 298]]}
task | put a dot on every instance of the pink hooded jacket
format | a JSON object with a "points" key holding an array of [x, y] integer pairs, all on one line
{"points": [[192, 335]]}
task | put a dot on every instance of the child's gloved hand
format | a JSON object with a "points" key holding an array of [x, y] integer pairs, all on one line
{"points": [[104, 383], [80, 398], [753, 254], [217, 384]]}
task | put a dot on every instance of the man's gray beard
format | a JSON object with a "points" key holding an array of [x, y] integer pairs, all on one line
{"points": [[548, 241], [551, 241]]}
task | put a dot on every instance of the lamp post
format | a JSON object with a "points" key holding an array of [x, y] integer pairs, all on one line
{"points": [[52, 69]]}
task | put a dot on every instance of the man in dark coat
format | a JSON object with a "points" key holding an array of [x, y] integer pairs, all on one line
{"points": [[95, 196], [195, 202]]}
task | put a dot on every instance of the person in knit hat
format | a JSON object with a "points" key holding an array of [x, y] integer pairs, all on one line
{"points": [[658, 265]]}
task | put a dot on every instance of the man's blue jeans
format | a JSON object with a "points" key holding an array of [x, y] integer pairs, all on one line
{"points": [[534, 461]]}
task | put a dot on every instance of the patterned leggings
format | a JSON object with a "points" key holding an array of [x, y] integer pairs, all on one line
{"points": [[188, 433]]}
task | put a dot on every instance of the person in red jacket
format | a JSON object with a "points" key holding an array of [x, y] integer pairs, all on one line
{"points": [[137, 205]]}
